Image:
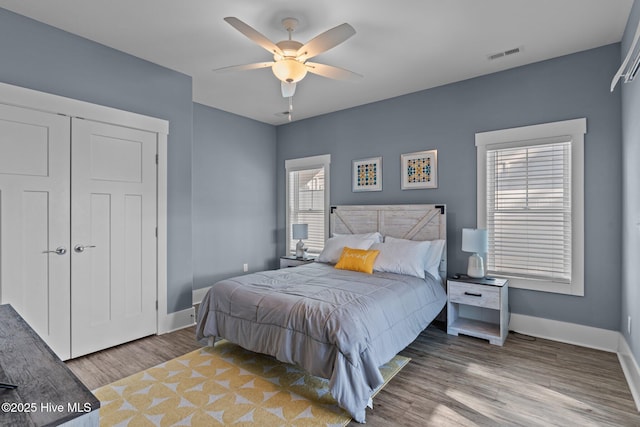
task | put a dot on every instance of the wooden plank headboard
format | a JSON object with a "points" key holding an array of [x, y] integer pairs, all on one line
{"points": [[411, 222]]}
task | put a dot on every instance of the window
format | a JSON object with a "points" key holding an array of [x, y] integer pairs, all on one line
{"points": [[308, 200], [531, 201]]}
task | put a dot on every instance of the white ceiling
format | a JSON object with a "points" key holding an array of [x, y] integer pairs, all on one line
{"points": [[400, 47]]}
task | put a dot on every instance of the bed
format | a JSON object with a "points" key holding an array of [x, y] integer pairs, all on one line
{"points": [[338, 323]]}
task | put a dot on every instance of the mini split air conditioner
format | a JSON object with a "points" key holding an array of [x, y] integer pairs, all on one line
{"points": [[626, 71]]}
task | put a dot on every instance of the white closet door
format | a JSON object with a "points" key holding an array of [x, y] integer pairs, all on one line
{"points": [[34, 219], [113, 217]]}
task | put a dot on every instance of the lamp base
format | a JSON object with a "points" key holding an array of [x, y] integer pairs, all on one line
{"points": [[300, 249], [476, 267]]}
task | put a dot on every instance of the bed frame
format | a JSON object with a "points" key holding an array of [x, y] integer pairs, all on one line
{"points": [[411, 222], [351, 365]]}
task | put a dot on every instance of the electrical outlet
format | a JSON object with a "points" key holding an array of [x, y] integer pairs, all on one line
{"points": [[629, 325], [245, 267]]}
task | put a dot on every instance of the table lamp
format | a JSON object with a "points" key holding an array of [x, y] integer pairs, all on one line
{"points": [[475, 241], [300, 232]]}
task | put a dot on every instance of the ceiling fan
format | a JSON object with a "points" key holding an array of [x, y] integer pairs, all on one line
{"points": [[290, 57]]}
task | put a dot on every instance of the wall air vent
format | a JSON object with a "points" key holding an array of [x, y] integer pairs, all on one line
{"points": [[507, 52]]}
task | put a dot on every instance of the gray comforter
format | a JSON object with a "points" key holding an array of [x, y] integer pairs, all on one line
{"points": [[337, 324]]}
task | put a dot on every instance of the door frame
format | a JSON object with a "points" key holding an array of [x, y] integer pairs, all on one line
{"points": [[42, 101]]}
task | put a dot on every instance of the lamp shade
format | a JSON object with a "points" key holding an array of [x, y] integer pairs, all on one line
{"points": [[289, 70], [300, 231], [474, 240]]}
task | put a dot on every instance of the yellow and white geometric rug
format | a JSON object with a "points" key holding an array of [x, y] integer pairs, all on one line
{"points": [[225, 385]]}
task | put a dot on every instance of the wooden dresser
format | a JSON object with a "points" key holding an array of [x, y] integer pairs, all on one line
{"points": [[47, 392]]}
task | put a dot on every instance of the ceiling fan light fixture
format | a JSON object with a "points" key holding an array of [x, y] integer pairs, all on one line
{"points": [[290, 56], [289, 70], [287, 89]]}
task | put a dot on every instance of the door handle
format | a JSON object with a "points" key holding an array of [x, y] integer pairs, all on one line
{"points": [[60, 250], [80, 248]]}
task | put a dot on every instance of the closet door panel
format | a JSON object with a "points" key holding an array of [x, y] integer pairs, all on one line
{"points": [[113, 223], [34, 221]]}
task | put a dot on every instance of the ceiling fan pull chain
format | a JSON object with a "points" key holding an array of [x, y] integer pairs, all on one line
{"points": [[290, 107]]}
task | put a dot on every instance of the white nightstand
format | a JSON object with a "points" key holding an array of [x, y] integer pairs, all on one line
{"points": [[291, 261], [479, 308]]}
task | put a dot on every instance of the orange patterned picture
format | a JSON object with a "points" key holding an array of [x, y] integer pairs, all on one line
{"points": [[419, 170]]}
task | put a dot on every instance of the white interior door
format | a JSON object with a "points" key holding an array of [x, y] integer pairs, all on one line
{"points": [[113, 235], [34, 221]]}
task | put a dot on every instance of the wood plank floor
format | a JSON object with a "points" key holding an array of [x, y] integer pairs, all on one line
{"points": [[459, 381], [104, 367]]}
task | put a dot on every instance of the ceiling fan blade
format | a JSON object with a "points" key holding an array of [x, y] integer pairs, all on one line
{"points": [[253, 35], [325, 41], [332, 72], [244, 67], [288, 89]]}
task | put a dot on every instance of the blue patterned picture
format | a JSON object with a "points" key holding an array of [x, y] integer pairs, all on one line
{"points": [[367, 174]]}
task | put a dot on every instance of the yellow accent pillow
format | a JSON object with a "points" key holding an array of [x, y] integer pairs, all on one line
{"points": [[357, 260]]}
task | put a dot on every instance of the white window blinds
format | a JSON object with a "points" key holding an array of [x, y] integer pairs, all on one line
{"points": [[529, 209], [307, 206]]}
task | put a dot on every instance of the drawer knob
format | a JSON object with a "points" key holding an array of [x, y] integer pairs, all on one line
{"points": [[472, 294]]}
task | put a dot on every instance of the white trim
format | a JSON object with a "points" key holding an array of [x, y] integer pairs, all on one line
{"points": [[163, 316], [584, 336], [630, 368], [42, 101], [178, 320], [575, 129], [544, 130], [569, 333], [198, 294], [307, 162], [291, 165]]}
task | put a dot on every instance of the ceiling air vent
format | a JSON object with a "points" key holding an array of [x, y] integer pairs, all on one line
{"points": [[508, 52], [285, 114]]}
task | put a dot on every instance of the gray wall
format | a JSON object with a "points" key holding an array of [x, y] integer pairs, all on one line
{"points": [[631, 196], [40, 57], [447, 118], [234, 183], [43, 58]]}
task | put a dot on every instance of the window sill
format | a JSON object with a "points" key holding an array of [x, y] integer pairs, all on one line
{"points": [[575, 289]]}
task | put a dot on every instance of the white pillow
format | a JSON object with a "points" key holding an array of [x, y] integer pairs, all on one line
{"points": [[434, 255], [401, 257], [375, 236], [334, 245]]}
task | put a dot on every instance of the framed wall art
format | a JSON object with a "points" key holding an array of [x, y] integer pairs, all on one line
{"points": [[367, 174], [419, 170]]}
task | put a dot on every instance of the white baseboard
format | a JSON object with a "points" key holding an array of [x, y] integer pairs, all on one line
{"points": [[585, 336], [570, 333], [630, 369], [178, 320], [198, 295]]}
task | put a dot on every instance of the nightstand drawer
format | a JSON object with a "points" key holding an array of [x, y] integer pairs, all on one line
{"points": [[475, 295]]}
